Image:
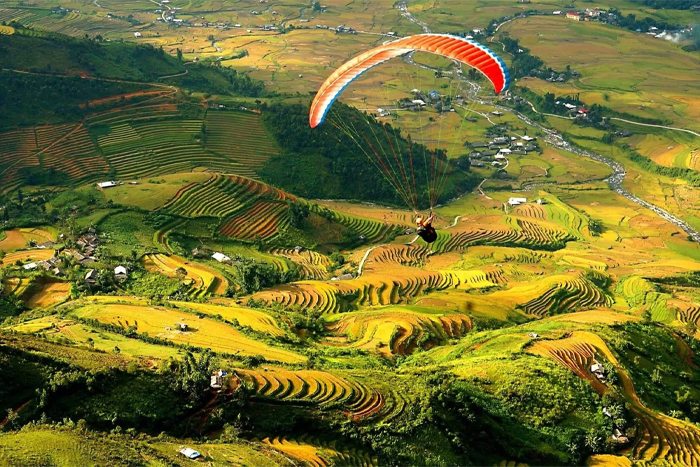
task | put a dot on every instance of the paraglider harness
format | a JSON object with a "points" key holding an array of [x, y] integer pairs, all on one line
{"points": [[425, 230]]}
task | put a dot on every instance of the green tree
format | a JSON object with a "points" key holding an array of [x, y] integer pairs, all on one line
{"points": [[194, 375]]}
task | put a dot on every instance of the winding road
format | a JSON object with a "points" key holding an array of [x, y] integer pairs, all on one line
{"points": [[553, 138]]}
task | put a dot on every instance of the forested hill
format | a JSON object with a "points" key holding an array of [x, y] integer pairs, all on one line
{"points": [[326, 163], [57, 54], [40, 76]]}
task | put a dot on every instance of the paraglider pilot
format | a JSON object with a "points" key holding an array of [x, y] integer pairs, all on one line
{"points": [[425, 229]]}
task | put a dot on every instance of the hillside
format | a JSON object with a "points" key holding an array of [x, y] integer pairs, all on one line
{"points": [[190, 274]]}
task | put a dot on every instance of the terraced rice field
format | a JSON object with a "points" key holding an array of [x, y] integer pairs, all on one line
{"points": [[528, 233], [27, 255], [251, 208], [142, 149], [6, 30], [16, 286], [241, 137], [374, 288], [50, 294], [642, 295], [662, 439], [566, 216], [77, 156], [141, 112], [18, 150], [313, 265], [371, 230], [203, 333], [688, 312], [318, 453], [395, 332], [202, 279], [535, 211], [575, 353], [562, 293], [317, 387], [230, 311], [263, 219], [72, 23], [406, 255]]}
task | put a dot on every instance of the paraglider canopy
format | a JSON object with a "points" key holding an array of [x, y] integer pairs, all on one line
{"points": [[392, 154], [454, 47]]}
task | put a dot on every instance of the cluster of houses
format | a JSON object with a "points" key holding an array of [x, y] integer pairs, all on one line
{"points": [[600, 373], [63, 11], [50, 265], [589, 14], [500, 147], [516, 201], [421, 99], [604, 16], [120, 274]]}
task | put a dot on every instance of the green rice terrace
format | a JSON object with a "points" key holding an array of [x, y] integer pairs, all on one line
{"points": [[210, 257]]}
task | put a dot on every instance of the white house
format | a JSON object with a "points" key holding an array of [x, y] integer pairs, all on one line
{"points": [[188, 452], [527, 138], [517, 201], [505, 151], [29, 267], [91, 275], [497, 113], [137, 34], [383, 112], [418, 102], [557, 12], [499, 157], [220, 257], [108, 184], [120, 271]]}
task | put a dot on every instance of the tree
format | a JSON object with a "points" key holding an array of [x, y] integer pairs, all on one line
{"points": [[297, 212], [194, 375], [12, 419], [181, 273], [594, 441], [179, 54]]}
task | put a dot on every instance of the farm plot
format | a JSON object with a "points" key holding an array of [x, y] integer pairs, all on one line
{"points": [[520, 232], [369, 229], [201, 279], [252, 208], [319, 453], [48, 294], [77, 156], [204, 333], [27, 255], [317, 387], [395, 332], [220, 196], [143, 149], [230, 311], [662, 439], [16, 151], [556, 294], [384, 286], [241, 137], [313, 265]]}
